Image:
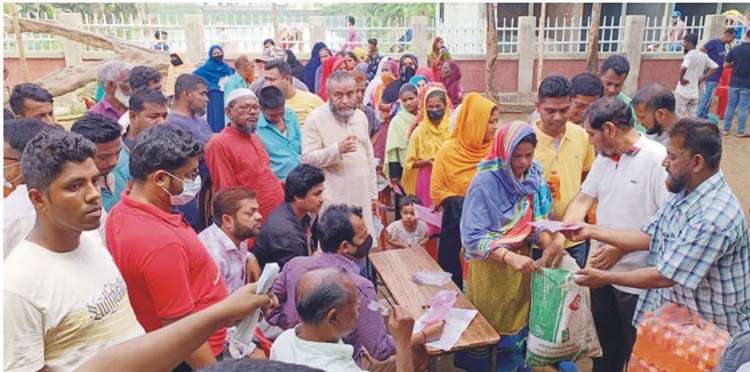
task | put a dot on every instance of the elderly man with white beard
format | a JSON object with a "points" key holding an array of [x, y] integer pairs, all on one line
{"points": [[335, 138], [114, 77]]}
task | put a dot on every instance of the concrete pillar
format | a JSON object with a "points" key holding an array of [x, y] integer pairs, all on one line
{"points": [[73, 50], [713, 28], [419, 41], [317, 30], [631, 46], [526, 31], [195, 38]]}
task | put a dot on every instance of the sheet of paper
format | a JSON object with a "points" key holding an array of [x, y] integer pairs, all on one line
{"points": [[552, 226], [397, 190], [428, 216], [455, 324]]}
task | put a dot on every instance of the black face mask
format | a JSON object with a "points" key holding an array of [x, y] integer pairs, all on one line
{"points": [[218, 58], [436, 115], [363, 249], [176, 61], [407, 73]]}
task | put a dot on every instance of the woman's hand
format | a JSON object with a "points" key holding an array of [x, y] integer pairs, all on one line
{"points": [[523, 264]]}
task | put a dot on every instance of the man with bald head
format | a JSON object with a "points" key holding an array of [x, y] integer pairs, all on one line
{"points": [[236, 156], [328, 305], [654, 107]]}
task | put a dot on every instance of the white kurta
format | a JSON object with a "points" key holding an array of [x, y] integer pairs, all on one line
{"points": [[350, 177]]}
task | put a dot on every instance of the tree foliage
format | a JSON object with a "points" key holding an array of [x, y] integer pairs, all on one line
{"points": [[33, 9], [381, 10]]}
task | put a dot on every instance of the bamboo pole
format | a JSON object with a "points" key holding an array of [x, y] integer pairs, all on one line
{"points": [[592, 51], [19, 44], [540, 52]]}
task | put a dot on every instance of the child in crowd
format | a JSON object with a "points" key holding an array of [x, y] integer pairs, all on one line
{"points": [[408, 231]]}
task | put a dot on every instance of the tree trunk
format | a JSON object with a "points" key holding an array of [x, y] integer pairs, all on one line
{"points": [[489, 72], [73, 77], [592, 55]]}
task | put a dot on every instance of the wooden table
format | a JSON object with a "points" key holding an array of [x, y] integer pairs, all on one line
{"points": [[395, 268]]}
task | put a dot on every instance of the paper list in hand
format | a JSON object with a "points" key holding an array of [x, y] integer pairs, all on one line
{"points": [[428, 216], [456, 323]]}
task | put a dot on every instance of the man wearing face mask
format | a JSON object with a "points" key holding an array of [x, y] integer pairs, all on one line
{"points": [[114, 77], [654, 107], [168, 271], [278, 128], [343, 239], [336, 139], [237, 157]]}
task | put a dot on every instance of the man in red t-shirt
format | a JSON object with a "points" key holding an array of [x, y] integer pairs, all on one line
{"points": [[168, 271]]}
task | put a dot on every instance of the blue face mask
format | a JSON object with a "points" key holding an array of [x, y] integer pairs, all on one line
{"points": [[190, 189], [436, 115]]}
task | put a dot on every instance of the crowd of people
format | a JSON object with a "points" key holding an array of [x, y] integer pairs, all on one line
{"points": [[137, 237]]}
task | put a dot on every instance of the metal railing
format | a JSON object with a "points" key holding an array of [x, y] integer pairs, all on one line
{"points": [[246, 32], [571, 35], [33, 42], [394, 35], [136, 30], [507, 35], [660, 35]]}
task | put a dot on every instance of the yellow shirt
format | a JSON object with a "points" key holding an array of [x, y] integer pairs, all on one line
{"points": [[302, 103], [573, 156]]}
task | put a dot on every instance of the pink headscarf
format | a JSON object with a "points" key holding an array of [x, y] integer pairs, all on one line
{"points": [[426, 72], [453, 83]]}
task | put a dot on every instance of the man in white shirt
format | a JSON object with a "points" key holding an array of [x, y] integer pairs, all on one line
{"points": [[628, 180], [654, 107], [235, 220], [64, 299], [328, 306], [692, 75]]}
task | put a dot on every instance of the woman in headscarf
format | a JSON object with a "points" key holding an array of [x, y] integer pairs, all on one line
{"points": [[419, 81], [450, 76], [507, 194], [424, 144], [377, 80], [420, 115], [351, 60], [213, 70], [389, 74], [308, 74], [323, 54], [438, 54], [455, 166], [426, 72], [397, 144], [407, 67], [329, 66]]}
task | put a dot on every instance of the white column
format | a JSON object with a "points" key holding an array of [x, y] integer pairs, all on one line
{"points": [[195, 38], [632, 45], [73, 50], [526, 31]]}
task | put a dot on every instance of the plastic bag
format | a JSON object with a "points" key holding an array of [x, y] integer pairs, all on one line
{"points": [[561, 327], [439, 307], [675, 339], [431, 277]]}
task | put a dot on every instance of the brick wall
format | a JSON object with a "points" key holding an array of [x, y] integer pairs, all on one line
{"points": [[506, 71]]}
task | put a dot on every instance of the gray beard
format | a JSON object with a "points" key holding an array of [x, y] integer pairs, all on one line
{"points": [[340, 115], [246, 129]]}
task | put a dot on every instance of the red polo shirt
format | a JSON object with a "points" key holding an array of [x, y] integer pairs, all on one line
{"points": [[168, 271]]}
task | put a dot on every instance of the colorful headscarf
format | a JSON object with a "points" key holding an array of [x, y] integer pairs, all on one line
{"points": [[426, 72], [499, 206], [417, 78], [328, 69], [360, 53], [422, 95], [391, 91], [213, 71], [308, 75], [453, 83], [377, 80], [456, 162]]}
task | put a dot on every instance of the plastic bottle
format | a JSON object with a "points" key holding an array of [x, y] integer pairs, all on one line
{"points": [[554, 185]]}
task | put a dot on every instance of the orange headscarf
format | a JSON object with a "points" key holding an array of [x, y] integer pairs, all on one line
{"points": [[456, 162]]}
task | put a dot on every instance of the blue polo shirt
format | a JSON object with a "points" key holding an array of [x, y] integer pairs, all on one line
{"points": [[284, 149], [717, 51]]}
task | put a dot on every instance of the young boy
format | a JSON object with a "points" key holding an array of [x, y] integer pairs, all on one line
{"points": [[408, 231]]}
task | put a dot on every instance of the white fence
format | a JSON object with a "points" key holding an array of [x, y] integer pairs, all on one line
{"points": [[660, 35], [394, 35], [31, 41]]}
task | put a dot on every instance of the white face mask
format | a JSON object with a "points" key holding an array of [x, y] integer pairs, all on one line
{"points": [[190, 189], [10, 184], [122, 97]]}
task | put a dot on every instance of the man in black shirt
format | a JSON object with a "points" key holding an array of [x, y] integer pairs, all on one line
{"points": [[739, 87], [286, 232]]}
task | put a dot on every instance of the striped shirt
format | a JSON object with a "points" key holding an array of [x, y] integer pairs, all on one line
{"points": [[700, 241]]}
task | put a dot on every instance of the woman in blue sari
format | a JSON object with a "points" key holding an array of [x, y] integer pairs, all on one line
{"points": [[213, 70], [308, 75]]}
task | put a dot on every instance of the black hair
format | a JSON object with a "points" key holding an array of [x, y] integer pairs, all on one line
{"points": [[555, 86], [141, 76], [530, 138], [372, 41], [187, 83], [747, 34], [97, 128], [731, 31], [655, 96], [617, 63], [285, 69], [140, 97], [301, 180], [700, 136], [158, 34], [162, 147], [409, 200], [24, 91], [587, 84], [329, 293], [351, 20], [8, 115], [352, 55], [47, 153], [334, 226], [408, 87], [439, 94], [255, 365], [326, 49], [270, 97], [18, 132], [269, 41], [692, 39], [609, 109]]}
